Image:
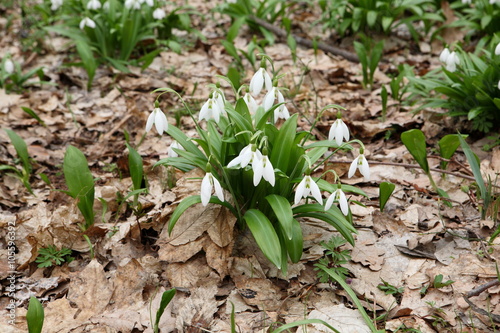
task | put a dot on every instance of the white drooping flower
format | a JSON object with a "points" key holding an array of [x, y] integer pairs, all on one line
{"points": [[498, 84], [158, 118], [307, 187], [247, 155], [213, 108], [150, 3], [55, 4], [338, 196], [466, 2], [444, 55], [450, 59], [260, 79], [251, 103], [208, 183], [105, 6], [497, 49], [263, 168], [360, 163], [174, 145], [281, 112], [93, 4], [134, 4], [87, 22], [159, 14], [8, 66], [338, 132]]}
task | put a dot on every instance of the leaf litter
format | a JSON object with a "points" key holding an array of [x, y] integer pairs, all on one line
{"points": [[214, 265]]}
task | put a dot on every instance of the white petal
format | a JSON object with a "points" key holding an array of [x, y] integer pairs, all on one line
{"points": [[344, 206], [353, 167], [234, 162], [364, 168], [151, 121], [268, 171], [216, 111], [497, 49], [316, 193], [345, 130], [204, 112], [331, 133], [498, 84], [218, 189], [299, 190], [329, 202], [206, 189], [267, 80], [246, 155], [258, 170], [161, 122], [339, 134], [444, 55], [256, 82], [9, 66], [268, 101]]}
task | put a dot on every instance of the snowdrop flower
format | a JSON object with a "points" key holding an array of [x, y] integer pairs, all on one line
{"points": [[268, 102], [55, 4], [171, 152], [87, 22], [444, 55], [247, 155], [260, 79], [251, 103], [338, 196], [207, 185], [306, 187], [150, 3], [497, 49], [8, 66], [93, 5], [134, 4], [466, 2], [452, 62], [159, 14], [212, 108], [450, 59], [338, 132], [106, 6], [360, 163], [263, 168], [158, 118], [498, 84]]}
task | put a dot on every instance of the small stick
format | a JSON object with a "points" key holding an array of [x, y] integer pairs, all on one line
{"points": [[476, 292], [306, 42]]}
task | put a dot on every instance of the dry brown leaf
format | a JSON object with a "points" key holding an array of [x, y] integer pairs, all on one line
{"points": [[259, 292], [341, 318], [191, 274], [366, 252], [197, 310]]}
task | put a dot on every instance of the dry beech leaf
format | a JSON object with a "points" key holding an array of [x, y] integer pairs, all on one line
{"points": [[341, 318]]}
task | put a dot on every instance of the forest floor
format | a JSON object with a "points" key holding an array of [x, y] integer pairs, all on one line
{"points": [[212, 263]]}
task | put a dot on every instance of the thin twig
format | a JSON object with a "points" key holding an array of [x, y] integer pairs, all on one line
{"points": [[476, 292], [306, 42], [415, 166]]}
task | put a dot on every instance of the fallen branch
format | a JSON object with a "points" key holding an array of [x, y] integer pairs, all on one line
{"points": [[416, 166], [306, 42], [476, 292]]}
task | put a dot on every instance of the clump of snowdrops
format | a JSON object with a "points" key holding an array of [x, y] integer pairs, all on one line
{"points": [[261, 166], [119, 32]]}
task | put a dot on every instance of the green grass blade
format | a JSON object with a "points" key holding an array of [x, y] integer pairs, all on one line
{"points": [[21, 149], [386, 190], [414, 140], [35, 316], [283, 212], [264, 234], [165, 300]]}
